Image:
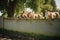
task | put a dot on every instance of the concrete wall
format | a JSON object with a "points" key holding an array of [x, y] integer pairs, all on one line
{"points": [[50, 28], [1, 22]]}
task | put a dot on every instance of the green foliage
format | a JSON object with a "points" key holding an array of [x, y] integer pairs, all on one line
{"points": [[35, 5], [48, 7], [19, 6], [51, 3], [38, 5], [58, 10]]}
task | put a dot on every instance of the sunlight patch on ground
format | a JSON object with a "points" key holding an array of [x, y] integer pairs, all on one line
{"points": [[1, 13]]}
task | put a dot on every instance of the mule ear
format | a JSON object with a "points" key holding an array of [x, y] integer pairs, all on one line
{"points": [[23, 11]]}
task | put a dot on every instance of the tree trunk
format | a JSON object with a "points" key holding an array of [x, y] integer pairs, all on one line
{"points": [[11, 8], [10, 12]]}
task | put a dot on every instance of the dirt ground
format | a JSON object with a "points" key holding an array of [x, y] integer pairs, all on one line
{"points": [[10, 35]]}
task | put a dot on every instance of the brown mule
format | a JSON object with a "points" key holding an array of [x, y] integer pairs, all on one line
{"points": [[36, 16], [30, 15], [23, 15]]}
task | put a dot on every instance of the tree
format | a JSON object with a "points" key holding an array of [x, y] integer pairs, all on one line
{"points": [[19, 6], [15, 6], [51, 3], [11, 5], [35, 5]]}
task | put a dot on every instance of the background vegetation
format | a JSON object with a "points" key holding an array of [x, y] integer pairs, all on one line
{"points": [[14, 7]]}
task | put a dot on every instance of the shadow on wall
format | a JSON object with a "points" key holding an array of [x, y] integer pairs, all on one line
{"points": [[1, 22]]}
